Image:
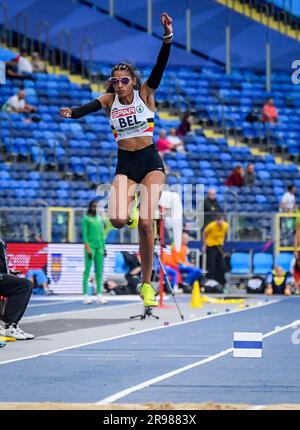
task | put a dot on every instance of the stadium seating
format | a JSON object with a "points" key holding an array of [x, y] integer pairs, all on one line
{"points": [[83, 152], [262, 263], [240, 263]]}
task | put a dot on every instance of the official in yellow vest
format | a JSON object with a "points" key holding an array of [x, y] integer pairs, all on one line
{"points": [[214, 236]]}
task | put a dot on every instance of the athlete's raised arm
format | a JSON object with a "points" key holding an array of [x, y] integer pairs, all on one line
{"points": [[77, 112], [152, 83]]}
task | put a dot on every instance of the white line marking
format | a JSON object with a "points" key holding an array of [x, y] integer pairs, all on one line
{"points": [[51, 304], [130, 355], [176, 372], [54, 351], [152, 381], [79, 297], [294, 324], [63, 313]]}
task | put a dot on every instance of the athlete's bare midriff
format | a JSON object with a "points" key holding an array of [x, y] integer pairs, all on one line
{"points": [[135, 143]]}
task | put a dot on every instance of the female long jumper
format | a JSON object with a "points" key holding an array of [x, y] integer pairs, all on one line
{"points": [[130, 107]]}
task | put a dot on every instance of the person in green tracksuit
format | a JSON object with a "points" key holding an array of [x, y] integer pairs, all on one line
{"points": [[94, 243]]}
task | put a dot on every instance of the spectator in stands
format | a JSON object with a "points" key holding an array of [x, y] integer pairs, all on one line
{"points": [[236, 178], [164, 145], [295, 272], [250, 176], [39, 279], [17, 103], [180, 260], [288, 201], [175, 140], [211, 206], [94, 244], [279, 282], [15, 294], [11, 71], [38, 66], [213, 242], [269, 112], [254, 115], [185, 126], [24, 65]]}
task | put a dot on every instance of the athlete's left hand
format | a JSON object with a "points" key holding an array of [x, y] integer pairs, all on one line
{"points": [[166, 21]]}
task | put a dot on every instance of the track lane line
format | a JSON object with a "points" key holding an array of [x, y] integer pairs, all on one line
{"points": [[36, 305], [62, 313]]}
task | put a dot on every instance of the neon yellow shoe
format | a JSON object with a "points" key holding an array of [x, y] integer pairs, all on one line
{"points": [[148, 295], [135, 213]]}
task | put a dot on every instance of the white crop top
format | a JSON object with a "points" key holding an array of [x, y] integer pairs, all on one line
{"points": [[132, 120]]}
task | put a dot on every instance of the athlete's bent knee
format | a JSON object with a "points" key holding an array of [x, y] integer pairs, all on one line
{"points": [[118, 223]]}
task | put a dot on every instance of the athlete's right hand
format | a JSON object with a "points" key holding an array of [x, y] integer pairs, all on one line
{"points": [[166, 21], [65, 112]]}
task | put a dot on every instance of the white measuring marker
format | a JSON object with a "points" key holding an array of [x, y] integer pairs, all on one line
{"points": [[247, 344]]}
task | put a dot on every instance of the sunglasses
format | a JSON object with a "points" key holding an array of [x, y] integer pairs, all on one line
{"points": [[124, 80]]}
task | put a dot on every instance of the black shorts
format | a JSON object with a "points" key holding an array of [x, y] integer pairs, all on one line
{"points": [[136, 164]]}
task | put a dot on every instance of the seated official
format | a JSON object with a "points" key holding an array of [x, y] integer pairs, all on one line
{"points": [[279, 282]]}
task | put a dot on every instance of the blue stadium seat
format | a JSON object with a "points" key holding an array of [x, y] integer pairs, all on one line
{"points": [[225, 156], [31, 193], [62, 194], [284, 259], [182, 164], [187, 172], [263, 174], [262, 263], [260, 199], [240, 263]]}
